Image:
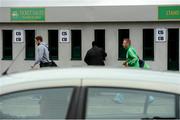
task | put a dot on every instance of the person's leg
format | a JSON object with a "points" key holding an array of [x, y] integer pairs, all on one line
{"points": [[146, 66], [41, 65]]}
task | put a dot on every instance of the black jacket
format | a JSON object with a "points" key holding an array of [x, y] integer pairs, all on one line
{"points": [[95, 56]]}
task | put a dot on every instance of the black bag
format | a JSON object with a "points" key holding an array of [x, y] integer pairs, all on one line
{"points": [[141, 63], [52, 64]]}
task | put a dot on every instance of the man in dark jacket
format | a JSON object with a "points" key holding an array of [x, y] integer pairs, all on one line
{"points": [[95, 56]]}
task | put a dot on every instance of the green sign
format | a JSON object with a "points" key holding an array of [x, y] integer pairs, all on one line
{"points": [[169, 12], [27, 14]]}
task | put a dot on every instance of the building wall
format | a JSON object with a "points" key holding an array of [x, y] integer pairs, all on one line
{"points": [[111, 43], [92, 13]]}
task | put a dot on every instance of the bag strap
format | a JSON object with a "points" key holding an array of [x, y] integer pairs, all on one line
{"points": [[137, 56], [49, 52], [135, 53]]}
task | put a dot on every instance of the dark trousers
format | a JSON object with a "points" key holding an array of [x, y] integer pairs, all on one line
{"points": [[44, 65]]}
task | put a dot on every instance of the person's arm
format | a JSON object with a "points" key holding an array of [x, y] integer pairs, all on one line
{"points": [[104, 54], [125, 64], [134, 57], [86, 59], [40, 52]]}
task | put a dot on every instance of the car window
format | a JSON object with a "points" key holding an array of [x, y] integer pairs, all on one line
{"points": [[36, 104], [124, 103], [179, 106]]}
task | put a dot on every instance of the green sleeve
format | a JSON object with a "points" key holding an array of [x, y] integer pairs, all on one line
{"points": [[132, 57]]}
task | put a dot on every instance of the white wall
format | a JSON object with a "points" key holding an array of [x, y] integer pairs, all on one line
{"points": [[111, 29]]}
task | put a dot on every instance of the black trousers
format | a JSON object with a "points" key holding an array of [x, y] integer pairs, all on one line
{"points": [[44, 64]]}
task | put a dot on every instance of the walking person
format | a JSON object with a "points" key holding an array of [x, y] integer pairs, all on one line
{"points": [[132, 58], [95, 56], [42, 53]]}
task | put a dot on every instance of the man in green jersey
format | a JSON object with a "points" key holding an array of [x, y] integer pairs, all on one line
{"points": [[132, 59]]}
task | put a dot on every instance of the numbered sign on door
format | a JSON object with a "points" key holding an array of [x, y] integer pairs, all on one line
{"points": [[161, 34], [18, 36], [64, 36]]}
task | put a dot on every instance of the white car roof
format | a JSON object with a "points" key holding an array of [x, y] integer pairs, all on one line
{"points": [[92, 76]]}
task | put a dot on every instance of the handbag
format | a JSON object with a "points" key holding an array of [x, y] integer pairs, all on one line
{"points": [[141, 63], [52, 64]]}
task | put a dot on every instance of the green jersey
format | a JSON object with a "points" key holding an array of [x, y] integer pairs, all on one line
{"points": [[132, 57]]}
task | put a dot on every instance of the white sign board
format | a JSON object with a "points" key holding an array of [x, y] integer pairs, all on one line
{"points": [[18, 35], [161, 34], [64, 36]]}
